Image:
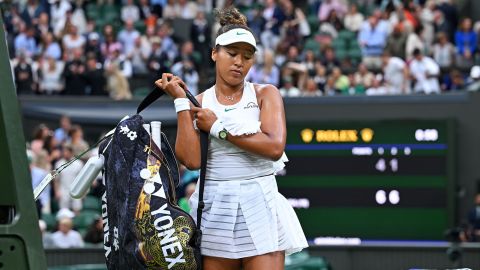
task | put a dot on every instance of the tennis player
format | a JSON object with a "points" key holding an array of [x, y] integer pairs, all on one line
{"points": [[246, 223]]}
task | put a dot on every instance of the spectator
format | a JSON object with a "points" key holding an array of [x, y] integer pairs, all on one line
{"points": [[377, 88], [24, 76], [78, 144], [51, 48], [73, 40], [320, 76], [158, 61], [93, 47], [293, 28], [334, 21], [53, 149], [200, 36], [58, 12], [94, 77], [168, 45], [139, 56], [340, 81], [130, 12], [61, 133], [274, 17], [32, 12], [293, 67], [328, 5], [395, 75], [110, 43], [25, 42], [122, 63], [42, 28], [427, 17], [443, 52], [186, 9], [449, 11], [117, 84], [288, 89], [50, 76], [185, 69], [362, 79], [309, 63], [169, 11], [474, 80], [441, 25], [127, 37], [397, 42], [94, 234], [415, 41], [39, 134], [311, 89], [74, 74], [353, 19], [466, 43], [65, 179], [66, 237], [456, 81], [145, 9], [329, 60], [265, 72], [372, 39], [425, 73]]}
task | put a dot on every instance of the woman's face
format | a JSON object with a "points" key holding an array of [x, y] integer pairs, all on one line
{"points": [[234, 61]]}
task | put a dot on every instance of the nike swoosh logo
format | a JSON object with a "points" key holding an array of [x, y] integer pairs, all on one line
{"points": [[239, 34], [231, 109]]}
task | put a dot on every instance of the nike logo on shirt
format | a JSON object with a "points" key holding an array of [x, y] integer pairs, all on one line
{"points": [[231, 109]]}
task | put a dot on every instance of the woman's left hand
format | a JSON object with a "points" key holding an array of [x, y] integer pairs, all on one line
{"points": [[204, 117]]}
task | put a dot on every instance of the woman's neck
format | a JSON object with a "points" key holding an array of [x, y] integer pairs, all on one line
{"points": [[224, 88]]}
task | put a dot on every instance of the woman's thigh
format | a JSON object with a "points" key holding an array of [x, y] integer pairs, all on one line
{"points": [[216, 263], [269, 261]]}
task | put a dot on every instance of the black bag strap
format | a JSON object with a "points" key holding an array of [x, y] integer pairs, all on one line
{"points": [[149, 99]]}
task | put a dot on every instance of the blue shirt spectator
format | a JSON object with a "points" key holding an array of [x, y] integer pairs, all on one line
{"points": [[372, 37], [25, 42], [466, 39]]}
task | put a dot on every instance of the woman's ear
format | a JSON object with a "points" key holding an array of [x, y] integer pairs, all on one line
{"points": [[214, 55]]}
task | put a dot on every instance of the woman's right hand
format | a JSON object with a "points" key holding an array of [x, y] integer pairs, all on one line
{"points": [[172, 85]]}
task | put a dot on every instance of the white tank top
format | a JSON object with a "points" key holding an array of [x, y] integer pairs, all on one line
{"points": [[225, 160]]}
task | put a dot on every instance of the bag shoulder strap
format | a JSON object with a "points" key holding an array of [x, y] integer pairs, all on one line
{"points": [[147, 101]]}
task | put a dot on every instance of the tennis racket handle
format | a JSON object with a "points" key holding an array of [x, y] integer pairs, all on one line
{"points": [[86, 176]]}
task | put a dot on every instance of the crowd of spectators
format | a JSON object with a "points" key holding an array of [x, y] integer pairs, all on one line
{"points": [[307, 48]]}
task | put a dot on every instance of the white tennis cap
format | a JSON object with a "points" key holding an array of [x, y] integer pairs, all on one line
{"points": [[236, 35]]}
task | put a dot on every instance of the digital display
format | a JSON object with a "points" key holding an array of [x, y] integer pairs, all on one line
{"points": [[379, 180]]}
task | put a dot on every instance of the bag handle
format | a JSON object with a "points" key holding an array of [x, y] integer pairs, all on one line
{"points": [[147, 101]]}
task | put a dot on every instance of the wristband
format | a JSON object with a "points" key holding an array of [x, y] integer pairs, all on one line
{"points": [[181, 104], [216, 128]]}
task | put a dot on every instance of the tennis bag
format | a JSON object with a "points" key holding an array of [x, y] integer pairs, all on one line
{"points": [[143, 226]]}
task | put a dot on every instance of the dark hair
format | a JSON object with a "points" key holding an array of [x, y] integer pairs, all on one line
{"points": [[230, 18], [417, 52]]}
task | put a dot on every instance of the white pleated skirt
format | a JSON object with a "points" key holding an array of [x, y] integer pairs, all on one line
{"points": [[244, 218]]}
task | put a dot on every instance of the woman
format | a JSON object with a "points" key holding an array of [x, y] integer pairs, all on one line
{"points": [[246, 222]]}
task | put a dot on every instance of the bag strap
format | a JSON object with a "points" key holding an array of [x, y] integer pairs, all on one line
{"points": [[147, 101]]}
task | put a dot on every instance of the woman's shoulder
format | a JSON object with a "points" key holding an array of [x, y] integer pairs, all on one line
{"points": [[265, 90]]}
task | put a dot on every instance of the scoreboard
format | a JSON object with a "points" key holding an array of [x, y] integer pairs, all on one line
{"points": [[378, 180]]}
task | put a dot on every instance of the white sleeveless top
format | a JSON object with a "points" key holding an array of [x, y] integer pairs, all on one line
{"points": [[225, 160]]}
